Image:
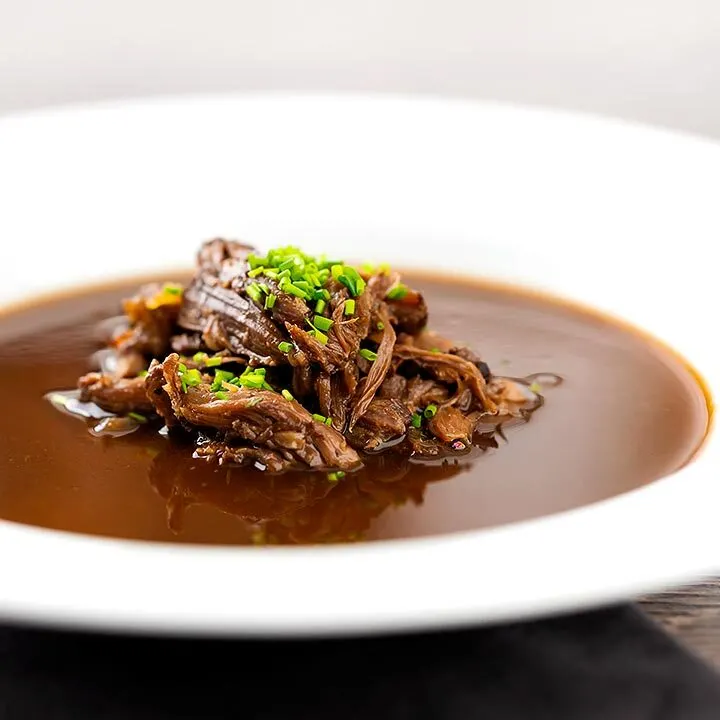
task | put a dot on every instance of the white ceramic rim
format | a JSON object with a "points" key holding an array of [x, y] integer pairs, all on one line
{"points": [[418, 168]]}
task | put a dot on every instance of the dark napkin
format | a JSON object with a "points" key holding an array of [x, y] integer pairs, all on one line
{"points": [[608, 665]]}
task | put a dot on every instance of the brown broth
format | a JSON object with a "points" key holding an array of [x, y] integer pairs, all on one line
{"points": [[628, 412]]}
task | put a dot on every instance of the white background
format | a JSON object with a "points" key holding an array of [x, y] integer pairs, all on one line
{"points": [[651, 60]]}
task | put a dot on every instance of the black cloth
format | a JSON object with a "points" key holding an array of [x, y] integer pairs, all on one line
{"points": [[608, 665]]}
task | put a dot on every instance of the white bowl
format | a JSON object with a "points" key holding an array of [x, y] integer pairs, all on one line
{"points": [[621, 217]]}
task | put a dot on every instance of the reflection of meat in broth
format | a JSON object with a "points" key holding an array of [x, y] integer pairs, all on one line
{"points": [[628, 412]]}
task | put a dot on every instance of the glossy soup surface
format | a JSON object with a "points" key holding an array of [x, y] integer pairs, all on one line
{"points": [[627, 413]]}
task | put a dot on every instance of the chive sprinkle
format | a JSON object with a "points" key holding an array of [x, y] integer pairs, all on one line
{"points": [[287, 395], [270, 301], [322, 323], [335, 476], [137, 417], [254, 292], [222, 395], [368, 354], [214, 361], [328, 422], [416, 420], [200, 357], [143, 373], [380, 325], [285, 347], [319, 418], [320, 306], [430, 411], [349, 307], [397, 293]]}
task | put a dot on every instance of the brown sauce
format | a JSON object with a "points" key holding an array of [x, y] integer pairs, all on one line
{"points": [[628, 412]]}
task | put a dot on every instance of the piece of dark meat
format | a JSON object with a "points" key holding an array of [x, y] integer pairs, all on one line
{"points": [[155, 392], [449, 425], [394, 386], [409, 314], [467, 354], [116, 395], [226, 319], [385, 420], [370, 384], [422, 392], [260, 417], [152, 314], [187, 343], [450, 369]]}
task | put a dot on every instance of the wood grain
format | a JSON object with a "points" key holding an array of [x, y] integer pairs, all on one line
{"points": [[692, 615]]}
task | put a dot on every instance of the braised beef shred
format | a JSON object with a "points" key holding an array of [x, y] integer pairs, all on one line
{"points": [[257, 366]]}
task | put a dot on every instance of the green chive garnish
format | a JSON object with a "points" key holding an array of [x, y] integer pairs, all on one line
{"points": [[285, 347], [322, 323], [380, 326], [416, 420], [368, 354], [200, 357], [349, 307], [270, 301], [222, 395], [328, 422], [335, 476], [319, 418], [397, 293], [254, 292], [320, 306], [214, 361], [287, 395], [137, 417], [430, 411]]}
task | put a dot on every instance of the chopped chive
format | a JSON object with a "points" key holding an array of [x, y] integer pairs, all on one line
{"points": [[288, 287], [328, 422], [320, 306], [368, 354], [349, 307], [322, 323], [137, 417], [200, 357], [172, 289], [252, 381], [337, 271], [254, 292], [183, 384], [222, 395], [264, 287], [214, 361], [335, 476], [416, 420], [192, 377], [143, 373], [182, 368], [270, 301], [319, 418], [326, 293], [221, 376], [287, 395], [267, 386], [321, 337], [397, 293], [255, 261], [430, 411], [380, 326], [285, 347], [260, 371], [256, 271]]}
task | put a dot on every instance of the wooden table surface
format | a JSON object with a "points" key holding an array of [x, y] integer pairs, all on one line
{"points": [[691, 614]]}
